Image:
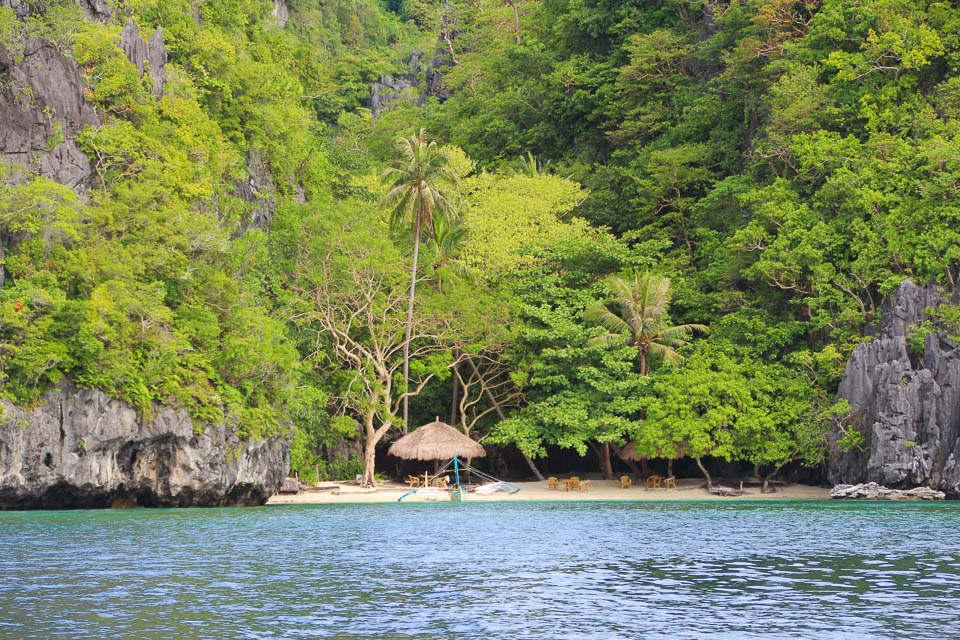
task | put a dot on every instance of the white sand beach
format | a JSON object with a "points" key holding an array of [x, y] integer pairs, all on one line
{"points": [[600, 490]]}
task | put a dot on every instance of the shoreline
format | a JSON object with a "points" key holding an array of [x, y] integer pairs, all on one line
{"points": [[537, 491]]}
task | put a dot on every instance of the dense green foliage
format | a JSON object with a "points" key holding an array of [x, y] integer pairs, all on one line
{"points": [[785, 163]]}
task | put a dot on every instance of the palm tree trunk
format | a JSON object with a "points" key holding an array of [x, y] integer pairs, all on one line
{"points": [[406, 341], [453, 401]]}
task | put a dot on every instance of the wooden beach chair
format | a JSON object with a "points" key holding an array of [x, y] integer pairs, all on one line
{"points": [[585, 485], [413, 481], [553, 483], [670, 483], [625, 482]]}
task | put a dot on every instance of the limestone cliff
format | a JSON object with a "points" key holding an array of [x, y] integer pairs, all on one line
{"points": [[83, 449], [906, 404], [43, 108]]}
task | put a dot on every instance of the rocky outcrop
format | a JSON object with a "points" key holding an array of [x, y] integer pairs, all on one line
{"points": [[97, 10], [82, 449], [257, 190], [426, 78], [388, 88], [20, 7], [873, 491], [147, 56], [279, 15], [43, 108], [906, 405]]}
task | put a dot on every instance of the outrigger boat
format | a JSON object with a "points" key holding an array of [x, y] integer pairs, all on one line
{"points": [[458, 492]]}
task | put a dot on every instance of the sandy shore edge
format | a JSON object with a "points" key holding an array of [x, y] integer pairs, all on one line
{"points": [[600, 490]]}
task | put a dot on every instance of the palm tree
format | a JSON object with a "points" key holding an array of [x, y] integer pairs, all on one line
{"points": [[449, 237], [418, 180], [643, 318], [529, 165]]}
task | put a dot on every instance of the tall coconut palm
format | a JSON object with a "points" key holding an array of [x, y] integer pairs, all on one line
{"points": [[420, 186], [643, 318]]}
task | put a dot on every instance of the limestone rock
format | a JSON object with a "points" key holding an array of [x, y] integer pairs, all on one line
{"points": [[873, 491], [907, 405], [20, 7], [97, 10], [83, 449], [280, 14], [147, 56], [43, 108], [257, 189]]}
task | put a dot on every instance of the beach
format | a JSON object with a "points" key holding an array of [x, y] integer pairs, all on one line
{"points": [[600, 490]]}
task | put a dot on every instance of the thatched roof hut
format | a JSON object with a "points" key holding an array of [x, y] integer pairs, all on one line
{"points": [[629, 452], [436, 441]]}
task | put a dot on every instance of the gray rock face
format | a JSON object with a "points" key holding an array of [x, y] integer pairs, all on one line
{"points": [[43, 108], [257, 190], [20, 7], [390, 88], [873, 491], [906, 405], [280, 14], [83, 449], [97, 10], [147, 56]]}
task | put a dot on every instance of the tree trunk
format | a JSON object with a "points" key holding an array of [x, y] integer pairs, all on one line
{"points": [[765, 487], [369, 452], [493, 401], [706, 473], [406, 341], [516, 17], [533, 467], [644, 469], [669, 467], [453, 401], [643, 361], [605, 460]]}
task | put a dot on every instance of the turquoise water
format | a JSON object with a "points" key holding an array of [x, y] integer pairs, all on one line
{"points": [[508, 570]]}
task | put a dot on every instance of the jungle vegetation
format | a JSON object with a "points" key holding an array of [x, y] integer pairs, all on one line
{"points": [[662, 223]]}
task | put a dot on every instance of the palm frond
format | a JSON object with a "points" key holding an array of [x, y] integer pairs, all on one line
{"points": [[607, 319]]}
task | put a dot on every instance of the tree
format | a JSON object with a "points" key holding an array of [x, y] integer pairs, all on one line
{"points": [[350, 296], [418, 178], [643, 318]]}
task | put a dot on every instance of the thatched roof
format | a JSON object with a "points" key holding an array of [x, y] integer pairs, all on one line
{"points": [[629, 452], [436, 441]]}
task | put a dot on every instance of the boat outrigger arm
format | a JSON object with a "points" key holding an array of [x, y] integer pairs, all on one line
{"points": [[458, 491]]}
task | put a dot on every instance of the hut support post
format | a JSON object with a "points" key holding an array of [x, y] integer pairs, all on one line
{"points": [[456, 471]]}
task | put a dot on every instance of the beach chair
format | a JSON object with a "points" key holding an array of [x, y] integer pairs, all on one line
{"points": [[553, 483], [442, 482], [413, 481], [585, 485], [572, 483], [670, 483], [625, 482]]}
